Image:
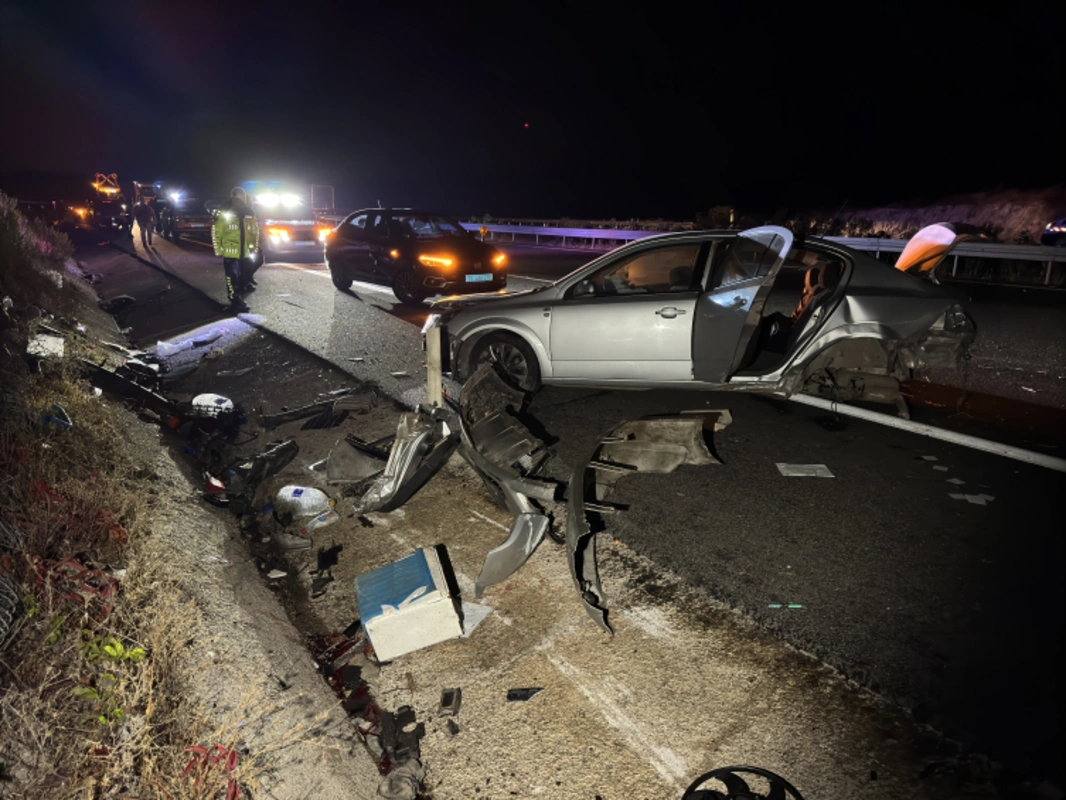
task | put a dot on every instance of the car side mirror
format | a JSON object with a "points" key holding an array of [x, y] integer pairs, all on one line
{"points": [[583, 289]]}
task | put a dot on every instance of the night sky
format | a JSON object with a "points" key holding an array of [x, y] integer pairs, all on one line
{"points": [[631, 113]]}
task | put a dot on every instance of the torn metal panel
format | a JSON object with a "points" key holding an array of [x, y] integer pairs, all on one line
{"points": [[655, 444], [505, 441], [509, 489], [526, 533], [486, 393], [423, 443], [348, 462]]}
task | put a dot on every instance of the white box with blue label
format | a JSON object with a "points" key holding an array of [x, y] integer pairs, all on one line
{"points": [[407, 605]]}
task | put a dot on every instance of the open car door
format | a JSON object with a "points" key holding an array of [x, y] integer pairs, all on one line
{"points": [[730, 309]]}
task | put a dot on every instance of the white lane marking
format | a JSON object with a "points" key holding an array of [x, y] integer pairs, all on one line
{"points": [[489, 520], [644, 742]]}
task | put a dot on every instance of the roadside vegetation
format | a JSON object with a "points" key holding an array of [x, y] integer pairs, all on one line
{"points": [[93, 699]]}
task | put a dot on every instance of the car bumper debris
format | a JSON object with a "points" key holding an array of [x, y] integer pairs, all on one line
{"points": [[658, 445]]}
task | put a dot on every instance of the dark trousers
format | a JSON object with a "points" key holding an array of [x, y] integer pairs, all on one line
{"points": [[146, 234], [233, 277], [248, 268]]}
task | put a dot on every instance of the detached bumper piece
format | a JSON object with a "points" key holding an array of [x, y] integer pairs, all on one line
{"points": [[506, 455], [654, 444], [424, 441]]}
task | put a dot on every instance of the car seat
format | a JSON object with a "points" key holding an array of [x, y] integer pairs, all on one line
{"points": [[818, 282]]}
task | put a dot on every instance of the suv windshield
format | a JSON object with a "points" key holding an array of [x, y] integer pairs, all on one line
{"points": [[426, 226]]}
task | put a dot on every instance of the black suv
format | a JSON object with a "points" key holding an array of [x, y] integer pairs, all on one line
{"points": [[418, 254]]}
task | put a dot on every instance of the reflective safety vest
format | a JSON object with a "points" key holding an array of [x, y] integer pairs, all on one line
{"points": [[226, 235]]}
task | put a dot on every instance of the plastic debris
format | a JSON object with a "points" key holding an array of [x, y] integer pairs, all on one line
{"points": [[403, 782], [805, 470], [523, 695], [58, 417], [321, 521], [302, 501], [450, 700], [399, 374], [211, 405], [318, 466], [275, 574], [956, 481], [928, 458], [45, 345], [168, 349], [234, 373], [976, 499], [473, 614], [940, 468], [352, 460]]}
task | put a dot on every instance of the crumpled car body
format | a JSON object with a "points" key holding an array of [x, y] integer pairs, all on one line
{"points": [[759, 311]]}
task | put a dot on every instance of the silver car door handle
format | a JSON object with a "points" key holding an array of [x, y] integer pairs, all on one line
{"points": [[669, 312]]}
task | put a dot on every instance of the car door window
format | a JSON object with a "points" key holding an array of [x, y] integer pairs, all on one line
{"points": [[744, 260], [358, 222], [661, 271]]}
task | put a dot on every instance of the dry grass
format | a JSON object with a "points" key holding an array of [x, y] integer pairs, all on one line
{"points": [[33, 259], [79, 720]]}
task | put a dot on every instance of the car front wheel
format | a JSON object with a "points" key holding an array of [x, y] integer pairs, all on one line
{"points": [[514, 356], [408, 288], [340, 281]]}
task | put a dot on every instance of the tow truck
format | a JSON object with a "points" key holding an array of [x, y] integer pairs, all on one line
{"points": [[291, 219], [110, 208]]}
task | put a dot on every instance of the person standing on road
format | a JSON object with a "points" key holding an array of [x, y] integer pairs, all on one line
{"points": [[146, 221], [235, 236]]}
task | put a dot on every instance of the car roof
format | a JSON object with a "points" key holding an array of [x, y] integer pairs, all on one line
{"points": [[400, 211]]}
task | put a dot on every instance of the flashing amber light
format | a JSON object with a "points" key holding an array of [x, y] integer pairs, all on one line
{"points": [[79, 211], [499, 260], [394, 254], [279, 233], [435, 261], [324, 232]]}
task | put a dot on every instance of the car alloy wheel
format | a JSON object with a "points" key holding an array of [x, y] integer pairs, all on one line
{"points": [[406, 288], [514, 357]]}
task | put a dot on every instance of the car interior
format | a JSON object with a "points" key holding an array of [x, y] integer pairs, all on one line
{"points": [[803, 285]]}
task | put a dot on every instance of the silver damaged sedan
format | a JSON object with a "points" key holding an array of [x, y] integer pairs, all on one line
{"points": [[759, 310]]}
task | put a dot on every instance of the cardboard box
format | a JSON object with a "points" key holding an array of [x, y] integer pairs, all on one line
{"points": [[406, 605]]}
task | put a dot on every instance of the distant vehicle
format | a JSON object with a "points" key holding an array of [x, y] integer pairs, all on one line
{"points": [[418, 254], [182, 215], [289, 217], [1055, 233], [753, 311], [110, 208]]}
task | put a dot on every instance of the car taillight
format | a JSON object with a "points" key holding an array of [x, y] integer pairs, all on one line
{"points": [[279, 234], [323, 232]]}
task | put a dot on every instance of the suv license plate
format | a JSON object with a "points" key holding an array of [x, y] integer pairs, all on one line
{"points": [[478, 278]]}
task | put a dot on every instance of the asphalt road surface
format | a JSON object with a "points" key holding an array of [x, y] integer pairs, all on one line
{"points": [[952, 608]]}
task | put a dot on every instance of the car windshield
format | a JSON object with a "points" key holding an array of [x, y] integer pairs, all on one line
{"points": [[427, 226]]}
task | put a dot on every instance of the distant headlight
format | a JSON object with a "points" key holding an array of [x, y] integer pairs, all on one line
{"points": [[267, 199], [436, 261], [290, 200]]}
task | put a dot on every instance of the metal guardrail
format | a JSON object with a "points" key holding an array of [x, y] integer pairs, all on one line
{"points": [[984, 250]]}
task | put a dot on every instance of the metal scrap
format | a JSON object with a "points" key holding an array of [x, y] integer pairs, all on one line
{"points": [[424, 441], [526, 533], [352, 460], [654, 444]]}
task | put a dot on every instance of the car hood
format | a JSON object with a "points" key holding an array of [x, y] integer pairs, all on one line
{"points": [[502, 300]]}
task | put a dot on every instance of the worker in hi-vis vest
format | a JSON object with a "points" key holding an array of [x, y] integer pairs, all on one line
{"points": [[235, 236]]}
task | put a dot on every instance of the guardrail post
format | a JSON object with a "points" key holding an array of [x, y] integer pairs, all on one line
{"points": [[1047, 273], [537, 238], [954, 265], [564, 241]]}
